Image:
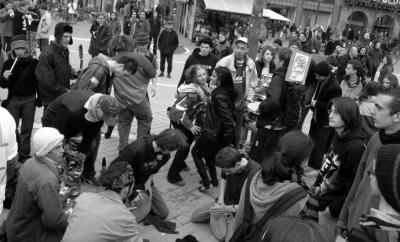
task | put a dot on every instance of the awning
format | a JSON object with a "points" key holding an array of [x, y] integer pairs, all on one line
{"points": [[244, 7], [268, 13]]}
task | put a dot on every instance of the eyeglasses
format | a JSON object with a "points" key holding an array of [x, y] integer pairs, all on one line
{"points": [[371, 172]]}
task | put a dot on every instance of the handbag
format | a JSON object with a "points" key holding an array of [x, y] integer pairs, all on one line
{"points": [[221, 225]]}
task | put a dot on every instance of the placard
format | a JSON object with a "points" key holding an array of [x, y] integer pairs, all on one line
{"points": [[298, 67]]}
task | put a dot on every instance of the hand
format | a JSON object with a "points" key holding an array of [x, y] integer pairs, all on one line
{"points": [[195, 129], [7, 74], [139, 201], [313, 102], [340, 239], [220, 209], [153, 91], [147, 187]]}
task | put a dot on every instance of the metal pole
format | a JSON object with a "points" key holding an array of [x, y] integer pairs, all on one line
{"points": [[350, 17], [316, 16]]}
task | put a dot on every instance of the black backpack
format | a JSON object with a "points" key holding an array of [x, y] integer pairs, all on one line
{"points": [[249, 232]]}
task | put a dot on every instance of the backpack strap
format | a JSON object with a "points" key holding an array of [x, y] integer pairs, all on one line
{"points": [[285, 202], [247, 205]]}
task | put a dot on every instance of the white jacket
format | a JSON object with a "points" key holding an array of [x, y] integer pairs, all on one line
{"points": [[44, 26]]}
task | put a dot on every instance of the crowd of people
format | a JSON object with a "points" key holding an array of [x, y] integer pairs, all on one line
{"points": [[48, 183]]}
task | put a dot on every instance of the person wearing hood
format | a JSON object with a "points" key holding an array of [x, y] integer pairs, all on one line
{"points": [[201, 56], [18, 76], [340, 165], [54, 71], [276, 179], [367, 108], [381, 223], [360, 198], [82, 113], [269, 122], [36, 213]]}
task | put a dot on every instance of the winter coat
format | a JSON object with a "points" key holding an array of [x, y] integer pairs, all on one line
{"points": [[375, 57], [222, 49], [367, 111], [22, 81], [260, 66], [36, 214], [35, 14], [6, 23], [44, 26], [67, 114], [361, 198], [53, 72], [352, 92], [270, 108], [155, 26], [207, 62], [115, 27], [130, 27], [306, 46], [143, 26], [168, 41], [103, 37]]}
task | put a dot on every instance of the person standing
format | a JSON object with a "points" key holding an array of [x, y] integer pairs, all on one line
{"points": [[42, 35], [18, 76], [32, 18], [143, 24], [103, 36], [167, 42], [244, 74], [115, 24], [36, 213], [54, 71], [130, 25], [375, 55], [155, 28], [6, 30]]}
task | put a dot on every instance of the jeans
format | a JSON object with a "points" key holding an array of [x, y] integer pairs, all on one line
{"points": [[322, 138], [23, 108], [169, 60], [158, 205], [178, 164], [154, 37], [143, 115], [203, 167], [6, 42], [90, 160], [240, 130], [43, 43], [31, 38]]}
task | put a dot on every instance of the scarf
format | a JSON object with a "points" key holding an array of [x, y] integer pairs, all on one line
{"points": [[389, 138], [90, 106]]}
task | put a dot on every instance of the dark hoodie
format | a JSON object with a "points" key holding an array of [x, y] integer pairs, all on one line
{"points": [[208, 62]]}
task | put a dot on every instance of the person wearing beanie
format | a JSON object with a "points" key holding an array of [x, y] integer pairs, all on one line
{"points": [[82, 113], [103, 36], [167, 43], [235, 170], [201, 56], [18, 76], [54, 71], [381, 222], [36, 213], [360, 199], [102, 216], [321, 134], [280, 175]]}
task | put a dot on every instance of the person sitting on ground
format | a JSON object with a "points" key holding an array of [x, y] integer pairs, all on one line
{"points": [[289, 228], [277, 178], [36, 213], [381, 223], [235, 170], [340, 165], [104, 211], [390, 82], [352, 84], [190, 99], [147, 155]]}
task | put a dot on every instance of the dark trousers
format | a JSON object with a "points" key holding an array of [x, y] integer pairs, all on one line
{"points": [[43, 43], [178, 164], [6, 43], [154, 37], [162, 62], [90, 161], [199, 156], [322, 138], [333, 201], [23, 108], [265, 144]]}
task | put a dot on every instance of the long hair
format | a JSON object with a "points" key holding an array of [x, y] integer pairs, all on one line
{"points": [[225, 79], [360, 71], [191, 73], [371, 89], [267, 47], [348, 110]]}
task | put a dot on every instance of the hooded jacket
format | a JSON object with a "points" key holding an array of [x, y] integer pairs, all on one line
{"points": [[208, 62], [263, 197], [168, 42]]}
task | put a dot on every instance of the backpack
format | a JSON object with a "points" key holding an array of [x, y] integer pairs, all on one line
{"points": [[249, 232], [292, 104], [184, 104]]}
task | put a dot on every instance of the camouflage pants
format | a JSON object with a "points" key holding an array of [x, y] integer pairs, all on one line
{"points": [[31, 38]]}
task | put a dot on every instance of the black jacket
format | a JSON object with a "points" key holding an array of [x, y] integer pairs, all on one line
{"points": [[306, 46], [269, 108], [260, 66], [168, 41], [208, 62], [219, 119], [67, 114], [327, 91], [103, 38], [18, 24], [155, 26], [23, 81], [53, 72], [34, 12]]}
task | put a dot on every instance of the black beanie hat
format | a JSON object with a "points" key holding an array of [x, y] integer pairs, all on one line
{"points": [[296, 146], [62, 28], [322, 69], [387, 171]]}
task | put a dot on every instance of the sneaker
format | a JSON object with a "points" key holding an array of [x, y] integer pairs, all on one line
{"points": [[214, 183], [161, 74], [168, 75], [204, 189], [107, 135], [180, 183]]}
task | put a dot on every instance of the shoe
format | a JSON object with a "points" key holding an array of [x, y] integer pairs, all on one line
{"points": [[168, 75], [161, 74], [107, 135], [180, 183], [204, 188], [214, 183]]}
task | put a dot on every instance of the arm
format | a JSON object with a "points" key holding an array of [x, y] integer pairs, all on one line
{"points": [[145, 64], [46, 24], [49, 202], [4, 83], [332, 94], [221, 197], [224, 113], [45, 75], [239, 213], [4, 16]]}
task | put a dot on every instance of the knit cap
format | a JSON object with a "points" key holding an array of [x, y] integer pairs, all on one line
{"points": [[142, 38], [322, 69], [387, 171], [109, 106], [62, 28], [19, 41], [296, 146], [44, 140]]}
